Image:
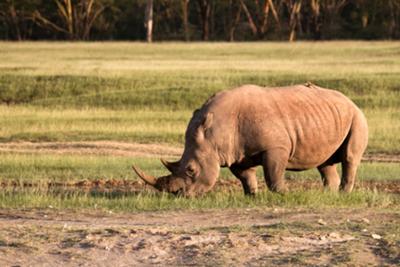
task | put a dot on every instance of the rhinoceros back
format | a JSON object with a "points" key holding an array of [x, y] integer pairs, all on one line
{"points": [[311, 123]]}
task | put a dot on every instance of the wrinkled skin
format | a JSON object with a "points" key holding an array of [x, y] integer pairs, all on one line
{"points": [[287, 128]]}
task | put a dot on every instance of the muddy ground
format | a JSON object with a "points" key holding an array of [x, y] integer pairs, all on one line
{"points": [[235, 237]]}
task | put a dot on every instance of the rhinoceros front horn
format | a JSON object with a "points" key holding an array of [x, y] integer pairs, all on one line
{"points": [[148, 179]]}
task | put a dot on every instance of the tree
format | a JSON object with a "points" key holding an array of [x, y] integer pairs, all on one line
{"points": [[259, 21], [11, 17], [199, 19], [77, 18], [16, 16], [394, 7], [316, 23], [185, 18], [149, 21], [205, 15], [294, 8], [330, 11], [235, 12]]}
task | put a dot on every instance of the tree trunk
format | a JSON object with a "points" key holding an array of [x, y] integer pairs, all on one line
{"points": [[185, 19], [149, 21], [331, 10], [234, 18], [253, 26], [78, 19], [274, 13], [263, 22], [294, 10], [259, 24], [205, 12], [392, 20], [316, 19], [14, 19]]}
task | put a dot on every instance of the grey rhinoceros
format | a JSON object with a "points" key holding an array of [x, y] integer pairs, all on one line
{"points": [[285, 128]]}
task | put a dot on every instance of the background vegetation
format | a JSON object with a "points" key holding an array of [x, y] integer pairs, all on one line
{"points": [[199, 19]]}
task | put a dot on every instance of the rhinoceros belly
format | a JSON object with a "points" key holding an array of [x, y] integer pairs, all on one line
{"points": [[316, 137]]}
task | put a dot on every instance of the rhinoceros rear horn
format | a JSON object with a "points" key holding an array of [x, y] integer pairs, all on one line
{"points": [[148, 179], [171, 166]]}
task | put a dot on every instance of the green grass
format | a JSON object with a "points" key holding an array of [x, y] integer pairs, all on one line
{"points": [[181, 76], [146, 201], [146, 126], [44, 124], [176, 90], [42, 167]]}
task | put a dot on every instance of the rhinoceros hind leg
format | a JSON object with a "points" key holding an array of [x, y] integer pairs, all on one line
{"points": [[274, 163], [355, 145], [330, 177], [247, 177]]}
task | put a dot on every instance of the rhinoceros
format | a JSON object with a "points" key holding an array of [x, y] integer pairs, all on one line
{"points": [[283, 128]]}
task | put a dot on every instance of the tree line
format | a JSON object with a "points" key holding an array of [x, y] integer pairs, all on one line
{"points": [[194, 20]]}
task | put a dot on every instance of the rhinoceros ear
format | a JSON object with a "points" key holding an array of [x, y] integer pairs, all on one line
{"points": [[208, 120], [171, 166]]}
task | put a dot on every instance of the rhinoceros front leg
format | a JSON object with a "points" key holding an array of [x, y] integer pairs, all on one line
{"points": [[274, 163], [247, 177]]}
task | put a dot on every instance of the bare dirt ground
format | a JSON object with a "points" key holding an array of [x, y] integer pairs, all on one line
{"points": [[234, 237], [250, 237]]}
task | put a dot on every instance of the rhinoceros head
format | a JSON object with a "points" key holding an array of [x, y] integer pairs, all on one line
{"points": [[197, 170]]}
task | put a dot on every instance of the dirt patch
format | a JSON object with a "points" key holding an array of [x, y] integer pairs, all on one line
{"points": [[382, 157], [115, 148], [253, 237]]}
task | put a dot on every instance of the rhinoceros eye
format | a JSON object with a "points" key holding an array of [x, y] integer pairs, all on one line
{"points": [[190, 171]]}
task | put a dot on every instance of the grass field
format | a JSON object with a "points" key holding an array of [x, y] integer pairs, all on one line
{"points": [[75, 116], [138, 93]]}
